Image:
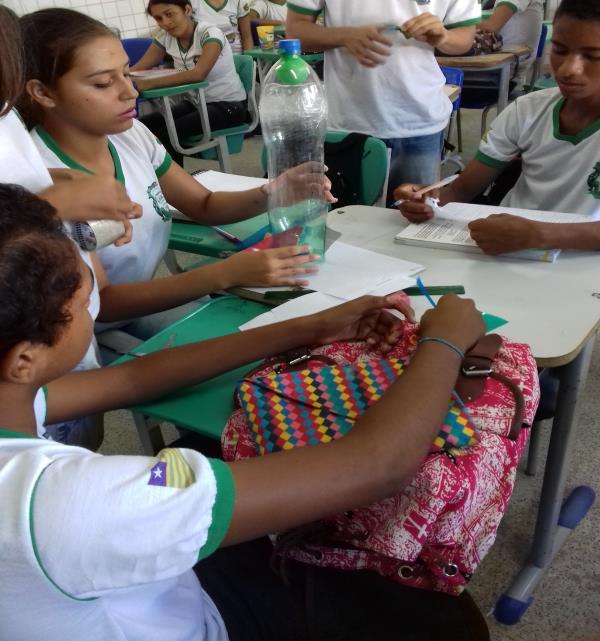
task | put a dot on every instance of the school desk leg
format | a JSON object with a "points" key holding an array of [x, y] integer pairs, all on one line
{"points": [[149, 432], [554, 522], [503, 88]]}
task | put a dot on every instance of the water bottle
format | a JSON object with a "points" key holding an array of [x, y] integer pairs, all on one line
{"points": [[293, 115]]}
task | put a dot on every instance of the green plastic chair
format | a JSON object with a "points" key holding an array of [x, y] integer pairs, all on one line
{"points": [[374, 169], [217, 144]]}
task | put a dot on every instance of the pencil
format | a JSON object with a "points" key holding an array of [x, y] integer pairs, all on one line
{"points": [[227, 236]]}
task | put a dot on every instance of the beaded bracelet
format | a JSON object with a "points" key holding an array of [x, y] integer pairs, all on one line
{"points": [[442, 341]]}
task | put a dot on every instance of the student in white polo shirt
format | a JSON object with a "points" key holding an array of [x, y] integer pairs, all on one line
{"points": [[100, 548], [556, 134], [86, 122], [519, 22], [266, 12], [199, 51], [231, 16], [385, 82]]}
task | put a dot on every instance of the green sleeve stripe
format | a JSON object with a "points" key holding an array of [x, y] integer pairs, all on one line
{"points": [[463, 23], [219, 42], [510, 5], [158, 44], [222, 509], [164, 166], [489, 161], [45, 391], [303, 10], [34, 542]]}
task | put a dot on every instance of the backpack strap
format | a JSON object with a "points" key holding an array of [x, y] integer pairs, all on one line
{"points": [[476, 367]]}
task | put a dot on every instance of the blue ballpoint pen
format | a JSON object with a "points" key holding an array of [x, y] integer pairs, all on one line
{"points": [[424, 291]]}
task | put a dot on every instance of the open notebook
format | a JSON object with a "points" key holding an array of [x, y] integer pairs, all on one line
{"points": [[449, 229]]}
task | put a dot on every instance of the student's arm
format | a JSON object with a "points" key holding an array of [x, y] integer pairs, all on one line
{"points": [[154, 54], [472, 181], [501, 15], [210, 54], [246, 32], [367, 44], [430, 29], [280, 267], [77, 197], [376, 459], [221, 207], [502, 233], [152, 376]]}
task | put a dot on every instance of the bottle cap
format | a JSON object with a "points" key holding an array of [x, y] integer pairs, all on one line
{"points": [[290, 47]]}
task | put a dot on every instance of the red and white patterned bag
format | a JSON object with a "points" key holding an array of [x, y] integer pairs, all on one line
{"points": [[436, 532]]}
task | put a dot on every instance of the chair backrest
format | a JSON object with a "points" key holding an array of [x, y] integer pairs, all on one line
{"points": [[537, 65], [245, 67], [454, 76], [374, 167], [135, 48]]}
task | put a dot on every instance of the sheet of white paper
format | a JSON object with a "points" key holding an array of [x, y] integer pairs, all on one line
{"points": [[350, 271], [294, 308], [219, 181], [153, 73]]}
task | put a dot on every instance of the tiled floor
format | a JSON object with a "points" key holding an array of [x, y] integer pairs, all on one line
{"points": [[567, 602]]}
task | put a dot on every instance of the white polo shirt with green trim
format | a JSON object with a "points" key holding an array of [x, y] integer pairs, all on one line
{"points": [[266, 10], [560, 172], [140, 160], [101, 548], [404, 96], [523, 28], [225, 17], [224, 84]]}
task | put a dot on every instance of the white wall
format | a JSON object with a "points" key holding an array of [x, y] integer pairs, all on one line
{"points": [[127, 15]]}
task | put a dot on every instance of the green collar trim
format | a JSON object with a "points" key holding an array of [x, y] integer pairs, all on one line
{"points": [[49, 141], [13, 434], [215, 8], [186, 49], [574, 139]]}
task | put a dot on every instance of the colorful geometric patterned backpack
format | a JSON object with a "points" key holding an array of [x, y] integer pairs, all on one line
{"points": [[436, 532]]}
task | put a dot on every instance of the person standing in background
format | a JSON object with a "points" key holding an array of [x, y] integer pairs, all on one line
{"points": [[381, 75]]}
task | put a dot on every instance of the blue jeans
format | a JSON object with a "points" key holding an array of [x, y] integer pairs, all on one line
{"points": [[415, 159]]}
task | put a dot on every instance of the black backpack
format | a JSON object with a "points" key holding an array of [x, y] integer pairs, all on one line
{"points": [[344, 160]]}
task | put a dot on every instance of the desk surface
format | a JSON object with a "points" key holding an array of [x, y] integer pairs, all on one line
{"points": [[485, 61], [554, 307]]}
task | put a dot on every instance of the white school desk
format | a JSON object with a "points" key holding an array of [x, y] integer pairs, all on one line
{"points": [[555, 308], [493, 62]]}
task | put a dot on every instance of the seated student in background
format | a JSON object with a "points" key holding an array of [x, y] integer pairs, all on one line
{"points": [[199, 52], [104, 547], [556, 132], [519, 22], [81, 96], [231, 16], [268, 12]]}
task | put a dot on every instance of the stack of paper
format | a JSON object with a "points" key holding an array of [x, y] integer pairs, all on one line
{"points": [[449, 228]]}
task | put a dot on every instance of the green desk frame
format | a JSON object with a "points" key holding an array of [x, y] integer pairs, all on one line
{"points": [[203, 408]]}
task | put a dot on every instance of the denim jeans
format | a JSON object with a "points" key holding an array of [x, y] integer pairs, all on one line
{"points": [[415, 159]]}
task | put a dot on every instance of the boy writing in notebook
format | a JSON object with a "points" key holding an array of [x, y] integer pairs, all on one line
{"points": [[556, 133]]}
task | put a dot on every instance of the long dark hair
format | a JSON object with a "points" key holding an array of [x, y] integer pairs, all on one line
{"points": [[11, 60], [51, 38], [179, 3]]}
